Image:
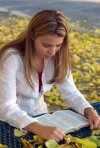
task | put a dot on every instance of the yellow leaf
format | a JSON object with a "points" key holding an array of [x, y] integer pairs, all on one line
{"points": [[18, 133], [26, 143], [86, 143], [3, 146], [51, 143]]}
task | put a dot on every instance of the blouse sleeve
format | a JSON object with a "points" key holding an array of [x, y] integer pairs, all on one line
{"points": [[72, 95], [9, 109]]}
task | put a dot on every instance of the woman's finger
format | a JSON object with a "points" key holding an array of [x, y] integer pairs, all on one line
{"points": [[91, 123], [61, 132], [55, 137]]}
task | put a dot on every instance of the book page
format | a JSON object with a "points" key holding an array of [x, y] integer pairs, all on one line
{"points": [[72, 118], [46, 119], [55, 121]]}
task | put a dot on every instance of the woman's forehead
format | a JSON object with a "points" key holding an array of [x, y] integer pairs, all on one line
{"points": [[48, 38]]}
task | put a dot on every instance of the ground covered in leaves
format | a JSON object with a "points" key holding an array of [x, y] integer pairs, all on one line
{"points": [[68, 142], [85, 47]]}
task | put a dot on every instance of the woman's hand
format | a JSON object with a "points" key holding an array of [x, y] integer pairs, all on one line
{"points": [[93, 117], [46, 132]]}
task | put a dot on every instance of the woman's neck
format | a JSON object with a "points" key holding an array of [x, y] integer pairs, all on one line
{"points": [[38, 65]]}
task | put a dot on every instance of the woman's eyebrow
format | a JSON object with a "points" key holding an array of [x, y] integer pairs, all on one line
{"points": [[51, 44]]}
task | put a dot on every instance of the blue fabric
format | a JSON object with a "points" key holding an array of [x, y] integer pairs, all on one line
{"points": [[7, 132]]}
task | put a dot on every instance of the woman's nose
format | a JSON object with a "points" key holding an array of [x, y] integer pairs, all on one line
{"points": [[52, 51]]}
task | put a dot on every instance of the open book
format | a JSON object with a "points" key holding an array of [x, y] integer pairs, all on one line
{"points": [[66, 120]]}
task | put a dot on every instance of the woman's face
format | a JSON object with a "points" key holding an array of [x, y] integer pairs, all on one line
{"points": [[47, 45]]}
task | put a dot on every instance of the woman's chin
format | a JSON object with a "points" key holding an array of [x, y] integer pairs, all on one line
{"points": [[48, 56]]}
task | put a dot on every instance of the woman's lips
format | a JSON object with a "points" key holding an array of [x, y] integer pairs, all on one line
{"points": [[49, 55]]}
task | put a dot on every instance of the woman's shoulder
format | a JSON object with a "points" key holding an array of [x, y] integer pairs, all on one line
{"points": [[13, 58]]}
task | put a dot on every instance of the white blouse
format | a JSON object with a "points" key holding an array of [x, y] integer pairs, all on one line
{"points": [[18, 101]]}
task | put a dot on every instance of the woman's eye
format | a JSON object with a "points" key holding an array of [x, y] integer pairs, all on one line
{"points": [[45, 45], [59, 46]]}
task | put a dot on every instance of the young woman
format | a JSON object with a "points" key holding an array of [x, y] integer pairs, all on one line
{"points": [[30, 65]]}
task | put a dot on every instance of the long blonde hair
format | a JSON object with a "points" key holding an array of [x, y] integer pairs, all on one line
{"points": [[45, 21]]}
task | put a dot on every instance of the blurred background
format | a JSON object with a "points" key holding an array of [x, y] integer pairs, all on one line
{"points": [[84, 31]]}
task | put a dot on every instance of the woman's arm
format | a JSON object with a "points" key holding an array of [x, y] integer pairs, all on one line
{"points": [[72, 95], [77, 102], [9, 109]]}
